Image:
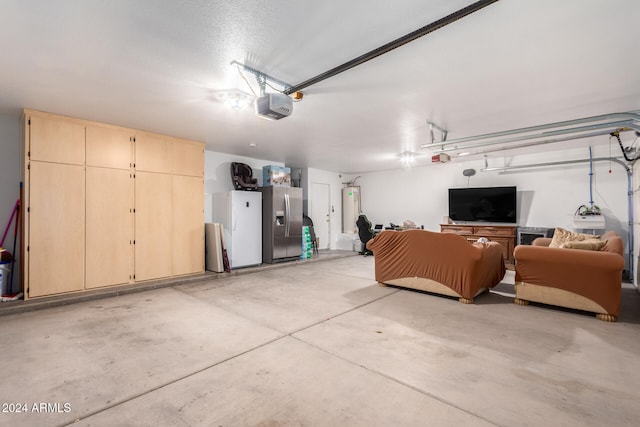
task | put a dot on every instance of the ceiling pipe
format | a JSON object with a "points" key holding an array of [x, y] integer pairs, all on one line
{"points": [[392, 45], [558, 163], [533, 144], [625, 116], [611, 127]]}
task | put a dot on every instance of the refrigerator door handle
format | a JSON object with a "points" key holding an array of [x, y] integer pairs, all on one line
{"points": [[287, 213], [233, 219]]}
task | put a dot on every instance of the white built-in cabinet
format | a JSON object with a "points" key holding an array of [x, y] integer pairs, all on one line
{"points": [[107, 205]]}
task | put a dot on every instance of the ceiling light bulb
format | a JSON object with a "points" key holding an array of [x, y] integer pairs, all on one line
{"points": [[236, 99], [236, 102], [408, 158]]}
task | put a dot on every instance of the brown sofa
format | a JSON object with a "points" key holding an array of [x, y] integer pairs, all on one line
{"points": [[588, 280], [443, 263]]}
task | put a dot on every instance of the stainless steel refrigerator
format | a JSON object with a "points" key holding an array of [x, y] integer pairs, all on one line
{"points": [[281, 223]]}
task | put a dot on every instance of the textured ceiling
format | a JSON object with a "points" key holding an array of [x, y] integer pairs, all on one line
{"points": [[162, 65]]}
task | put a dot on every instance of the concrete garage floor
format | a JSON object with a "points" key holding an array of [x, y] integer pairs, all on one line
{"points": [[318, 344]]}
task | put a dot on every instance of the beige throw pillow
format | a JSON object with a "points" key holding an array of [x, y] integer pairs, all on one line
{"points": [[587, 245], [561, 236]]}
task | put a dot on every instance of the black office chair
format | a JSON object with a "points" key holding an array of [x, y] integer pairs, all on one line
{"points": [[314, 241], [242, 177], [365, 232]]}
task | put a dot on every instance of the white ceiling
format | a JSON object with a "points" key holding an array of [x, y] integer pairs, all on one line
{"points": [[161, 66]]}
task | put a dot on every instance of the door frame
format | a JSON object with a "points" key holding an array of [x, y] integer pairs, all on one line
{"points": [[315, 202]]}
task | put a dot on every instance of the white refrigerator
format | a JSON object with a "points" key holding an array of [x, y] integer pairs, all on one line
{"points": [[240, 213]]}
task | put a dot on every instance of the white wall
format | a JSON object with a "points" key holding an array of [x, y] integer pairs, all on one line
{"points": [[217, 175], [547, 196], [10, 146], [333, 179], [218, 178]]}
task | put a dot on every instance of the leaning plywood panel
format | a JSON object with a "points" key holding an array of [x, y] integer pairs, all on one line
{"points": [[55, 139], [56, 236], [188, 225], [109, 243], [153, 222], [213, 247]]}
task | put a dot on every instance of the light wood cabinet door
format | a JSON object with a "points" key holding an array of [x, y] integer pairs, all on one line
{"points": [[109, 147], [153, 153], [56, 140], [56, 228], [188, 158], [153, 221], [188, 225], [109, 227]]}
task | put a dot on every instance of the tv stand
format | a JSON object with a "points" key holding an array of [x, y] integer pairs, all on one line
{"points": [[503, 234]]}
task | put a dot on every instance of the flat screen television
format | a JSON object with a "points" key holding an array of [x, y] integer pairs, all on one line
{"points": [[486, 204]]}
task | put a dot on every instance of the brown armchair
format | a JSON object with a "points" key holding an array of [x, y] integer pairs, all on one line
{"points": [[589, 280]]}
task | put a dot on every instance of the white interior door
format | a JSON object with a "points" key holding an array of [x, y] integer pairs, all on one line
{"points": [[320, 214]]}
